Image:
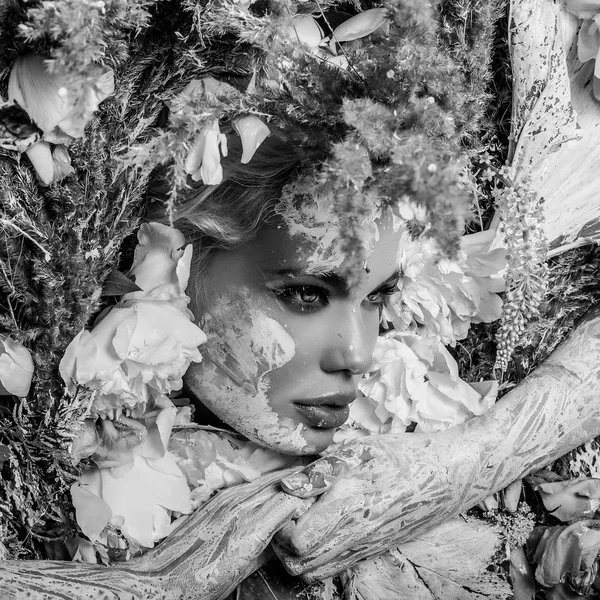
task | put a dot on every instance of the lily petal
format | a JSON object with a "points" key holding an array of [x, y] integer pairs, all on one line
{"points": [[41, 94]]}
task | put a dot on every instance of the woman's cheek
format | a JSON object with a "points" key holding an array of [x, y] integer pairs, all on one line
{"points": [[244, 346]]}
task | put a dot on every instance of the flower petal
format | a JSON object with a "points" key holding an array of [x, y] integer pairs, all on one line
{"points": [[16, 367], [91, 512], [40, 156], [361, 25], [253, 133]]}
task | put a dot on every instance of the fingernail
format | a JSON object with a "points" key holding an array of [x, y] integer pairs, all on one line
{"points": [[295, 481]]}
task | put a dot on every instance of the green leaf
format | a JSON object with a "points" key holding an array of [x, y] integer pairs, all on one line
{"points": [[117, 284]]}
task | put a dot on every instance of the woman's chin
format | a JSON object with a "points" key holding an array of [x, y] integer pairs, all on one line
{"points": [[306, 441]]}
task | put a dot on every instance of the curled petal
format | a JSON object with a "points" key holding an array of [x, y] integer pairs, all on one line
{"points": [[204, 159], [61, 162], [567, 551], [16, 368], [59, 113], [569, 500], [91, 512], [253, 133], [588, 42], [156, 256], [584, 9], [361, 25]]}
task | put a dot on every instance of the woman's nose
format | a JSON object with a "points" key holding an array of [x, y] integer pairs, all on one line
{"points": [[350, 346]]}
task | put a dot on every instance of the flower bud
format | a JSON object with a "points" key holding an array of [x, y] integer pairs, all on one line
{"points": [[16, 368]]}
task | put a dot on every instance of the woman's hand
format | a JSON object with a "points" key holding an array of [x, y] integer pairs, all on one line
{"points": [[376, 492]]}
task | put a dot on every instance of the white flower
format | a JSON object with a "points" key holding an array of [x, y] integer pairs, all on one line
{"points": [[212, 461], [442, 297], [16, 368], [413, 379], [253, 133], [142, 500], [204, 159], [59, 113], [139, 351]]}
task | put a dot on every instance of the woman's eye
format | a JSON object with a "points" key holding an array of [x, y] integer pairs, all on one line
{"points": [[303, 298], [308, 294], [379, 298]]}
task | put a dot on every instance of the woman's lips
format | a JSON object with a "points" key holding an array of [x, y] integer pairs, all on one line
{"points": [[326, 412]]}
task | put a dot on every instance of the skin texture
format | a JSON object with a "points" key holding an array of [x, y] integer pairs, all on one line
{"points": [[286, 336]]}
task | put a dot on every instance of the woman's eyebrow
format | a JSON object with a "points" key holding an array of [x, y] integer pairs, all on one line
{"points": [[319, 272], [327, 276]]}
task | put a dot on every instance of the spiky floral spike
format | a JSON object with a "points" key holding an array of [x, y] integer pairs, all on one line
{"points": [[521, 220]]}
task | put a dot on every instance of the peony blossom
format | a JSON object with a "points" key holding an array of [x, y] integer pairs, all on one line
{"points": [[138, 498], [60, 114], [413, 379], [16, 368], [142, 499], [138, 352], [212, 461], [443, 297]]}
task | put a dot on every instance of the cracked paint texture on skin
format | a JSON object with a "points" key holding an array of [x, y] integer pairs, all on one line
{"points": [[244, 345], [307, 213]]}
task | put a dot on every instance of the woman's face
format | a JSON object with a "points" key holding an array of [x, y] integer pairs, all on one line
{"points": [[288, 336]]}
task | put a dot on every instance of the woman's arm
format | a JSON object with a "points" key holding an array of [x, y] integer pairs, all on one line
{"points": [[384, 490], [206, 558]]}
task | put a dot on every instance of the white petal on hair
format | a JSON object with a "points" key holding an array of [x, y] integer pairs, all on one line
{"points": [[253, 133]]}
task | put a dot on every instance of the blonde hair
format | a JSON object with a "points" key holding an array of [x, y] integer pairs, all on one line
{"points": [[228, 215]]}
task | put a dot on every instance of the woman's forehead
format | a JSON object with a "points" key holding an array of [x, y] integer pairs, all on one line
{"points": [[316, 248]]}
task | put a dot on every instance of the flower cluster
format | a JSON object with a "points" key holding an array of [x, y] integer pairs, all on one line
{"points": [[442, 297], [60, 115], [521, 216]]}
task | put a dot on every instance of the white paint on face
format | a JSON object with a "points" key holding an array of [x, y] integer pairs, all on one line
{"points": [[287, 338], [307, 213], [244, 345]]}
